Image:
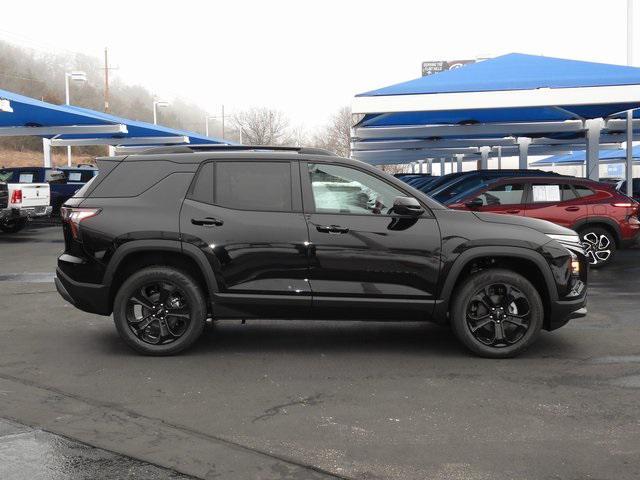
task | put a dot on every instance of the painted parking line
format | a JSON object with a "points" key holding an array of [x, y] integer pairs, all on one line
{"points": [[37, 277]]}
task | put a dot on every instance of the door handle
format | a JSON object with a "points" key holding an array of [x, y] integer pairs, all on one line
{"points": [[335, 229], [512, 211], [207, 222], [572, 209]]}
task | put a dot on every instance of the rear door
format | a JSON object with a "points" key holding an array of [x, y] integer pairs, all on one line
{"points": [[246, 217], [556, 202]]}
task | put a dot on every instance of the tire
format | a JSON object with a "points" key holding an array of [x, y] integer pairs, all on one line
{"points": [[599, 245], [14, 225], [510, 294], [149, 324]]}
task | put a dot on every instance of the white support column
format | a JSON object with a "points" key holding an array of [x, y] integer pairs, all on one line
{"points": [[420, 163], [523, 152], [112, 151], [441, 166], [499, 148], [452, 163], [459, 162], [629, 154], [593, 127], [46, 152], [484, 160], [429, 166]]}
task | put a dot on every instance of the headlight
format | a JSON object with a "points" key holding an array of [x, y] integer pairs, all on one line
{"points": [[570, 242]]}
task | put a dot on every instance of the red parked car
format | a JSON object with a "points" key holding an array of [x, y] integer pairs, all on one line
{"points": [[605, 218]]}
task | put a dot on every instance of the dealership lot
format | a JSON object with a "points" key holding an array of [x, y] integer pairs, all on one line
{"points": [[326, 399]]}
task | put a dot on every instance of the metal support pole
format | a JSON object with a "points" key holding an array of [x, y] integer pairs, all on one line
{"points": [[499, 158], [429, 166], [484, 160], [112, 150], [629, 152], [593, 127], [523, 152], [441, 166], [420, 163], [459, 162], [46, 152], [413, 167]]}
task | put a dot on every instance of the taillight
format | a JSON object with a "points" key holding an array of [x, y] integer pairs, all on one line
{"points": [[16, 196], [73, 216]]}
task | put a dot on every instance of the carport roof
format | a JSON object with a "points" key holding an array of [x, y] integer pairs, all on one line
{"points": [[22, 115], [579, 157]]}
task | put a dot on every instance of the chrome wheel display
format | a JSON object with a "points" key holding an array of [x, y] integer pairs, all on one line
{"points": [[158, 313], [498, 315], [597, 247]]}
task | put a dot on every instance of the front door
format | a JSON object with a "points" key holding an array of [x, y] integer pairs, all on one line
{"points": [[364, 259], [246, 216]]}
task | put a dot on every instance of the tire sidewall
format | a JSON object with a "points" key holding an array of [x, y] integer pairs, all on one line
{"points": [[470, 287], [195, 299]]}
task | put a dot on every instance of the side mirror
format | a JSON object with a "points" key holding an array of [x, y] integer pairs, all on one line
{"points": [[475, 203], [407, 206]]}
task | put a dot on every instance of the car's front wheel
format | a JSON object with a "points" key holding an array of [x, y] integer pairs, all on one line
{"points": [[599, 246], [159, 311], [497, 313]]}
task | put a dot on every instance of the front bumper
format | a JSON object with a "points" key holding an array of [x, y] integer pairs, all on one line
{"points": [[562, 311], [89, 297]]}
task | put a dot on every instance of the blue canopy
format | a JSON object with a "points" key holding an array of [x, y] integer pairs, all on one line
{"points": [[29, 112], [513, 72], [580, 156]]}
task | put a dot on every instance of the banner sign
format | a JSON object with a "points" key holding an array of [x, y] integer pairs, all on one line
{"points": [[437, 66]]}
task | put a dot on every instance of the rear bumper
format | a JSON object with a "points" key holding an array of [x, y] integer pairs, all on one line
{"points": [[89, 297], [31, 212]]}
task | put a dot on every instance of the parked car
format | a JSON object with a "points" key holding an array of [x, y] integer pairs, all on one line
{"points": [[173, 236], [64, 181], [468, 180], [622, 187], [25, 201], [605, 218]]}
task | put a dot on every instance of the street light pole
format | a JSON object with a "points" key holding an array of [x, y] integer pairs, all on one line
{"points": [[156, 104], [76, 76], [629, 156]]}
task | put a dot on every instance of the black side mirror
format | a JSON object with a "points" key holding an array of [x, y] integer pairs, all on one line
{"points": [[407, 206], [475, 203]]}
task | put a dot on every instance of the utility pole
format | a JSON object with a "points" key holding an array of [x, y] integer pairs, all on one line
{"points": [[106, 69]]}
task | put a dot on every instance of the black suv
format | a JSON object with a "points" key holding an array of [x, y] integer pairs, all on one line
{"points": [[171, 237]]}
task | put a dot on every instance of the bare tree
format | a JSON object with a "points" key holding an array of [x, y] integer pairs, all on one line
{"points": [[263, 126], [336, 136]]}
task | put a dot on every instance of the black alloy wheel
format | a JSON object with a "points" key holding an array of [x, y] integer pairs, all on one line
{"points": [[496, 313], [158, 313], [160, 310]]}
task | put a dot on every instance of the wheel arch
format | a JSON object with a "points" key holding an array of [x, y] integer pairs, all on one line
{"points": [[602, 222], [138, 254], [528, 263]]}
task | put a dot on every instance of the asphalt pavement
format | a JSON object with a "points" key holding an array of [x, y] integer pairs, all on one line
{"points": [[315, 400]]}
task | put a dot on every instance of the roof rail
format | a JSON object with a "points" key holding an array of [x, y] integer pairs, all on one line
{"points": [[233, 148]]}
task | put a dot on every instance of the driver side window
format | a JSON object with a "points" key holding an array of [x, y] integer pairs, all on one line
{"points": [[338, 189]]}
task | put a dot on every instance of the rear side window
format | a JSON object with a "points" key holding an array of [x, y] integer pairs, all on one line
{"points": [[263, 186], [202, 190], [583, 191], [507, 194]]}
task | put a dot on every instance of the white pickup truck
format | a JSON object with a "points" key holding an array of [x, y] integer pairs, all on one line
{"points": [[23, 201]]}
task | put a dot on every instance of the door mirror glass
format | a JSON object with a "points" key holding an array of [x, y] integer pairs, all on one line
{"points": [[475, 203], [407, 206]]}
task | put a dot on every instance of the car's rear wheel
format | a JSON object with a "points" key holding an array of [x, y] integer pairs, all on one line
{"points": [[599, 246], [14, 225], [159, 311], [497, 313]]}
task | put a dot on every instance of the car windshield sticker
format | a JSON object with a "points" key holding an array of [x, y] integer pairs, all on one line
{"points": [[546, 193]]}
